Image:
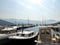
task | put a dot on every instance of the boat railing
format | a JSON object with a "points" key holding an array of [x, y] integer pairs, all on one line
{"points": [[24, 35]]}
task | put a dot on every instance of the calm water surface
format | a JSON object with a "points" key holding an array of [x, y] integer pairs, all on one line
{"points": [[36, 29]]}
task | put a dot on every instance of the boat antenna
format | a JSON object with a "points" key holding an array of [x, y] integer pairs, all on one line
{"points": [[22, 28], [28, 20], [15, 22]]}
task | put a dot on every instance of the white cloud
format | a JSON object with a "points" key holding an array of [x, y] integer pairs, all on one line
{"points": [[32, 4], [35, 9]]}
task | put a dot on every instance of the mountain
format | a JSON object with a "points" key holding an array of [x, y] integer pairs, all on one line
{"points": [[17, 21], [49, 22], [56, 23], [20, 21], [3, 22]]}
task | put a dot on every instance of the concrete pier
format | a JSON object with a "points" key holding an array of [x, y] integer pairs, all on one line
{"points": [[46, 35]]}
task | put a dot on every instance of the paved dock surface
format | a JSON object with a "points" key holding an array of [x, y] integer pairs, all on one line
{"points": [[48, 44]]}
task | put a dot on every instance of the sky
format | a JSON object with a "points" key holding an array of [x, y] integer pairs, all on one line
{"points": [[32, 9]]}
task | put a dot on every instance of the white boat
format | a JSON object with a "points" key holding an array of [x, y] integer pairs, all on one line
{"points": [[27, 36], [8, 30]]}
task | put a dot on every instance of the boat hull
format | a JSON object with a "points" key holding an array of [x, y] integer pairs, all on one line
{"points": [[4, 41], [30, 41]]}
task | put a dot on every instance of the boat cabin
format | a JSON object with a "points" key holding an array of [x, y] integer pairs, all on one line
{"points": [[25, 33]]}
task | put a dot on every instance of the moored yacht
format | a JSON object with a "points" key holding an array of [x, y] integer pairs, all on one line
{"points": [[24, 37], [8, 30]]}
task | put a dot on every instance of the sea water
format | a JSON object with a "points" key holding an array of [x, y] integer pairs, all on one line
{"points": [[36, 29]]}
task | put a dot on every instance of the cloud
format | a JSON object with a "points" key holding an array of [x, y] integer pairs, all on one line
{"points": [[35, 9], [32, 4]]}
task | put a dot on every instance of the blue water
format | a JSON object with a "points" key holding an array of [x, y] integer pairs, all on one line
{"points": [[36, 29]]}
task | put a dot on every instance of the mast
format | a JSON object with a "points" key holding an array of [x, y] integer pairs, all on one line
{"points": [[15, 22], [22, 28], [28, 20]]}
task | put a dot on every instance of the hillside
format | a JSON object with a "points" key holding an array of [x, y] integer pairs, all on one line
{"points": [[20, 21], [56, 23], [3, 22]]}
